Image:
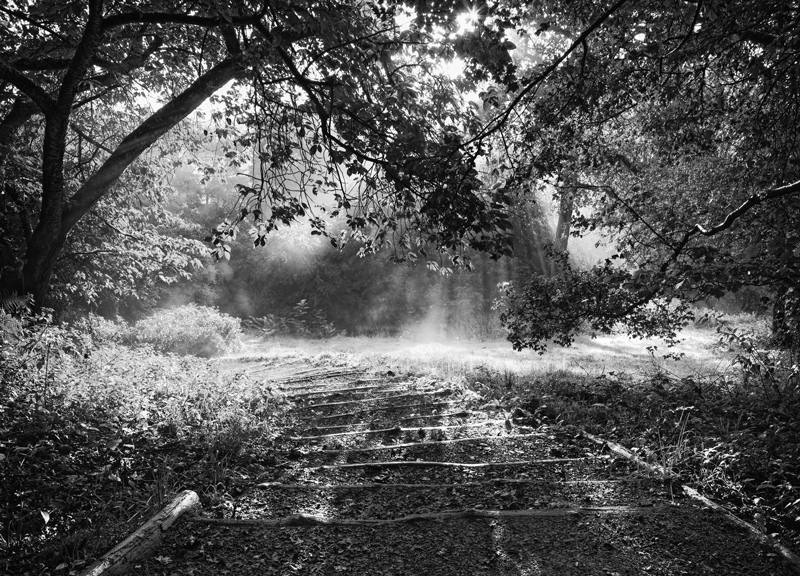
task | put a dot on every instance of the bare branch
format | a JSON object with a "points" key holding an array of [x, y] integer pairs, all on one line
{"points": [[88, 138]]}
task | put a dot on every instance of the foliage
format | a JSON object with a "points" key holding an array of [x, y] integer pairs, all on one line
{"points": [[562, 306], [339, 104], [188, 330], [91, 433], [672, 126], [733, 435]]}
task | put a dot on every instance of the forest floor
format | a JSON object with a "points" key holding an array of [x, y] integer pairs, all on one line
{"points": [[386, 473], [398, 456]]}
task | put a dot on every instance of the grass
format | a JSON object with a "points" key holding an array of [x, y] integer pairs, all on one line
{"points": [[616, 354]]}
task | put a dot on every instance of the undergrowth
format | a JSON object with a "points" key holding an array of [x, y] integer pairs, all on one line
{"points": [[734, 435], [95, 435]]}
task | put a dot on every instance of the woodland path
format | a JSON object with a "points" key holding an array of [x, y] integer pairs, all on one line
{"points": [[385, 475]]}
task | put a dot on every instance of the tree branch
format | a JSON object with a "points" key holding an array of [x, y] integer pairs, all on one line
{"points": [[27, 86], [159, 123], [126, 18], [88, 138], [82, 59], [499, 121], [754, 200]]}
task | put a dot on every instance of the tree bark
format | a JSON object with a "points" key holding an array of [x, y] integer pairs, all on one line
{"points": [[143, 542], [561, 240], [58, 214]]}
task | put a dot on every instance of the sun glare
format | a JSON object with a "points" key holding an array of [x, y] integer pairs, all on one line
{"points": [[467, 20], [403, 18]]}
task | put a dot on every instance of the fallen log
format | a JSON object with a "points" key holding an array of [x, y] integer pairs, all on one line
{"points": [[144, 541], [620, 450]]}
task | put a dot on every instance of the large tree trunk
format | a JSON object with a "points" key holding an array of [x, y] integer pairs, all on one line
{"points": [[58, 214]]}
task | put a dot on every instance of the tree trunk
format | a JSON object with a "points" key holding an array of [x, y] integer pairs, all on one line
{"points": [[58, 215], [561, 240]]}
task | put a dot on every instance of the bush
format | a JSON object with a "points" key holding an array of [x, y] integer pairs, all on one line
{"points": [[189, 330]]}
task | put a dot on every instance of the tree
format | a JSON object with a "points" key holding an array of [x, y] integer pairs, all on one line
{"points": [[677, 123], [338, 96]]}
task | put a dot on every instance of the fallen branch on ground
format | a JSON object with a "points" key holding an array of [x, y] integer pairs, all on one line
{"points": [[432, 464], [144, 541]]}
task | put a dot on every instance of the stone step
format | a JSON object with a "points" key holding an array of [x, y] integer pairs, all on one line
{"points": [[416, 472], [383, 400], [376, 500], [477, 449]]}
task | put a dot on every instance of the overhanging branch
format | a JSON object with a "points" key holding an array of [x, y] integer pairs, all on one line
{"points": [[500, 120], [27, 86], [158, 124], [754, 200]]}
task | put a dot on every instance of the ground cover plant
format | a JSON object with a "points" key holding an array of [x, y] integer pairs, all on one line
{"points": [[95, 435]]}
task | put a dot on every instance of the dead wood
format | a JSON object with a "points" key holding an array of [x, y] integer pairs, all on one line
{"points": [[401, 407], [493, 482], [284, 377], [620, 450], [333, 391], [309, 520], [431, 464], [787, 554], [305, 384], [144, 541]]}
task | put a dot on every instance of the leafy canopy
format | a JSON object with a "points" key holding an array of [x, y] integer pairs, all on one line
{"points": [[341, 104]]}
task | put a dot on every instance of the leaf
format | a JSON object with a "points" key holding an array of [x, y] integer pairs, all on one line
{"points": [[45, 515]]}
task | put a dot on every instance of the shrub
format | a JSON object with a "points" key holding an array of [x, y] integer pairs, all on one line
{"points": [[189, 330]]}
